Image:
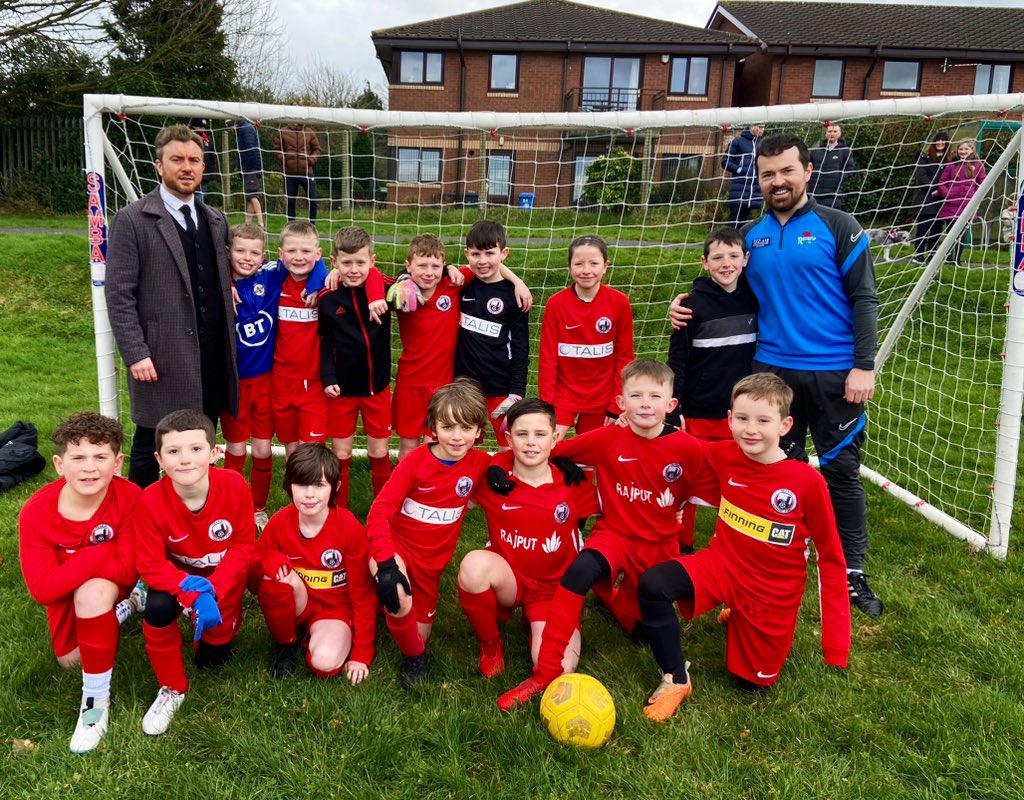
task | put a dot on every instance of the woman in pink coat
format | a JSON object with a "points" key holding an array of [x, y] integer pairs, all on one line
{"points": [[960, 180]]}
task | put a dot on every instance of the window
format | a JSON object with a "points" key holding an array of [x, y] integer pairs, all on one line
{"points": [[420, 67], [992, 79], [689, 76], [417, 165], [901, 76], [828, 77], [680, 167], [504, 72], [580, 175], [499, 175], [610, 84]]}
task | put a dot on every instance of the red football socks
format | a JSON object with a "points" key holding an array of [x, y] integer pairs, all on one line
{"points": [[97, 642], [260, 479], [406, 634], [163, 646], [563, 618], [342, 500], [380, 471], [482, 612], [231, 461], [277, 602]]}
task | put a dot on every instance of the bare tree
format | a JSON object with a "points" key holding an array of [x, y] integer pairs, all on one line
{"points": [[323, 84], [68, 21]]}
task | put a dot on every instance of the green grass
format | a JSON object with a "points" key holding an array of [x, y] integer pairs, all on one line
{"points": [[929, 707]]}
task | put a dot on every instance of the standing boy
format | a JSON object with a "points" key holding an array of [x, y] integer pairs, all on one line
{"points": [[493, 346], [644, 472], [76, 546], [756, 563], [195, 543], [250, 162], [715, 349], [355, 358]]}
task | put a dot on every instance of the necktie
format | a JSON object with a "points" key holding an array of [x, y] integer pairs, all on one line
{"points": [[190, 226]]}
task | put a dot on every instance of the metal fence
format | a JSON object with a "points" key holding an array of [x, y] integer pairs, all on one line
{"points": [[40, 146]]}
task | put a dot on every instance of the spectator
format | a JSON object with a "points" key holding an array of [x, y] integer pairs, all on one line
{"points": [[960, 180], [927, 198], [250, 161], [833, 165], [210, 165], [168, 292], [744, 192], [298, 150]]}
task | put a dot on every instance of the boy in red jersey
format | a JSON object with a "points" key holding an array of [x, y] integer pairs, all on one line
{"points": [[258, 287], [196, 540], [429, 327], [645, 471], [300, 405], [355, 358], [772, 509], [414, 523], [315, 574], [532, 523], [586, 338], [76, 546], [493, 346]]}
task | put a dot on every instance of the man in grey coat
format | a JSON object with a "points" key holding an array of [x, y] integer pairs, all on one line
{"points": [[168, 292]]}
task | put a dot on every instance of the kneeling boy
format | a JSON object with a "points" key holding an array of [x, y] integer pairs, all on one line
{"points": [[315, 574], [756, 562], [76, 548], [196, 538]]}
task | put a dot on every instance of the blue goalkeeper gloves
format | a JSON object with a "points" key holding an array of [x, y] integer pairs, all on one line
{"points": [[205, 614], [196, 583]]}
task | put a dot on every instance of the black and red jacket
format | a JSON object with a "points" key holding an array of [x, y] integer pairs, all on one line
{"points": [[355, 351]]}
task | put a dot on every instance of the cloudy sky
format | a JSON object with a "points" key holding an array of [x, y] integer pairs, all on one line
{"points": [[337, 32]]}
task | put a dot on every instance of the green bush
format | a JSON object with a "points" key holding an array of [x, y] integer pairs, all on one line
{"points": [[614, 181]]}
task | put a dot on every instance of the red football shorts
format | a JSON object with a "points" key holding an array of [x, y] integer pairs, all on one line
{"points": [[409, 410], [425, 583], [60, 617], [255, 416], [630, 556], [583, 421], [342, 413], [300, 410], [316, 609], [534, 600], [710, 430], [497, 424], [757, 641]]}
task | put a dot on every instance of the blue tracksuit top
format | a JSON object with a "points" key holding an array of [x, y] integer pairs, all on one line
{"points": [[815, 285], [256, 315]]}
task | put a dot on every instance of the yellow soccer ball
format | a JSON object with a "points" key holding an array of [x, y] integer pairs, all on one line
{"points": [[577, 709]]}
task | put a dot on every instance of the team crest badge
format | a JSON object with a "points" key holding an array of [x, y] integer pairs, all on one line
{"points": [[220, 530], [464, 486], [603, 325], [784, 501], [495, 305], [561, 513], [444, 303], [330, 558], [259, 290], [101, 533], [672, 472]]}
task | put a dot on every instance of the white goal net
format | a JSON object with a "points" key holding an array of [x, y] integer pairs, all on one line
{"points": [[944, 427]]}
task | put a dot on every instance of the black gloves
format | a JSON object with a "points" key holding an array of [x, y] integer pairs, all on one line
{"points": [[389, 578]]}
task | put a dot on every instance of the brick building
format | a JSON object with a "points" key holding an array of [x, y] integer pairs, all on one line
{"points": [[812, 51], [543, 55]]}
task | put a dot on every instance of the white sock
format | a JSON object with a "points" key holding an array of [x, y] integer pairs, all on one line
{"points": [[96, 685], [854, 572], [123, 610]]}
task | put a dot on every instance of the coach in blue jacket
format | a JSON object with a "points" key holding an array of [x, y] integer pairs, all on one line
{"points": [[744, 192]]}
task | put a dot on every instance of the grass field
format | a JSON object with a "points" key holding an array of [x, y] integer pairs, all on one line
{"points": [[930, 706]]}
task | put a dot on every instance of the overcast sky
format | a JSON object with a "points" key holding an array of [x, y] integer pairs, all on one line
{"points": [[337, 32]]}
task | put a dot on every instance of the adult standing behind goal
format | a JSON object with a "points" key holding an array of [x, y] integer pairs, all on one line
{"points": [[250, 162], [744, 193], [811, 271], [168, 292], [833, 165], [298, 150]]}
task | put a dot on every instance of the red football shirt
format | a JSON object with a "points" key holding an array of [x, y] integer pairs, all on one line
{"points": [[217, 542], [420, 508], [428, 337], [768, 516], [58, 554], [333, 565], [297, 351], [583, 348], [643, 482], [534, 527]]}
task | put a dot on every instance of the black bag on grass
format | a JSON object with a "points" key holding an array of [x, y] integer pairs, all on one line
{"points": [[19, 459]]}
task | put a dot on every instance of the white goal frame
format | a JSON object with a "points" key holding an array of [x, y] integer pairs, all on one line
{"points": [[100, 158]]}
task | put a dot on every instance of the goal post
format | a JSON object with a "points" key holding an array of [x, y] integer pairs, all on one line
{"points": [[944, 430]]}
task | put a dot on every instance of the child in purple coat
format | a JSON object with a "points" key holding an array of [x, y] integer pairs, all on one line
{"points": [[960, 180]]}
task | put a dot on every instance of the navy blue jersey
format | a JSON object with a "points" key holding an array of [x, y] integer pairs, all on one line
{"points": [[493, 346]]}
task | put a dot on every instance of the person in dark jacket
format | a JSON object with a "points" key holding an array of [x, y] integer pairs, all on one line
{"points": [[298, 150], [210, 164], [927, 198], [740, 160], [833, 165], [250, 162]]}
